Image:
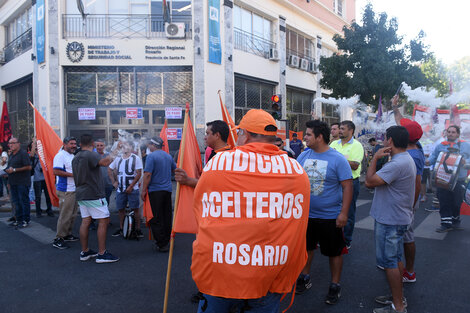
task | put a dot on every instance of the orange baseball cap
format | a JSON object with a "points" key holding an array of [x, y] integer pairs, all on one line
{"points": [[259, 122], [414, 129]]}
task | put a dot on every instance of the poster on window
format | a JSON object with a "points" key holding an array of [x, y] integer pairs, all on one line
{"points": [[40, 34], [85, 114], [215, 48], [174, 133], [134, 113], [173, 113]]}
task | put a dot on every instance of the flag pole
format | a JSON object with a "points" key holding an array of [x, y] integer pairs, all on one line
{"points": [[225, 117], [172, 237]]}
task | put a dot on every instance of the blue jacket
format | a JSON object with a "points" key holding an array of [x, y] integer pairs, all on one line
{"points": [[462, 146]]}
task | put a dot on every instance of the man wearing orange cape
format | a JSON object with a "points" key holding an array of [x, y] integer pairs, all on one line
{"points": [[251, 204]]}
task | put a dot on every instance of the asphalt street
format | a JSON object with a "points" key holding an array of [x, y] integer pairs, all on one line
{"points": [[35, 277]]}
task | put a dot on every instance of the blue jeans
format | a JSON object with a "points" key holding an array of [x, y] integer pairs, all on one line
{"points": [[20, 197], [349, 228], [389, 244], [267, 304]]}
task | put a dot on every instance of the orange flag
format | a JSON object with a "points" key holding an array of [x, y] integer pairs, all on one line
{"points": [[189, 159], [232, 138], [164, 136], [148, 214], [300, 135], [48, 144]]}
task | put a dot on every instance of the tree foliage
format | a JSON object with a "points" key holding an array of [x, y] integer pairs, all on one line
{"points": [[459, 73], [436, 74], [372, 60]]}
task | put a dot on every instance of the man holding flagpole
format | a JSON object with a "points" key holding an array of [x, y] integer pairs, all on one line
{"points": [[251, 223], [157, 183]]}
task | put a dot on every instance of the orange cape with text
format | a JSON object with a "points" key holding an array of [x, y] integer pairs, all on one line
{"points": [[252, 206]]}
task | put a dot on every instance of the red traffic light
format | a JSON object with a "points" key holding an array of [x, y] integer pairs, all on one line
{"points": [[276, 98]]}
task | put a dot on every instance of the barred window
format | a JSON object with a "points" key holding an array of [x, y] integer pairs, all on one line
{"points": [[90, 86], [299, 108], [252, 94]]}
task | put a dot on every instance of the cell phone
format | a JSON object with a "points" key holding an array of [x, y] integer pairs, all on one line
{"points": [[399, 89]]}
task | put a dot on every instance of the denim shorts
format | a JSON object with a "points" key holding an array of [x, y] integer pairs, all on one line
{"points": [[389, 244], [122, 198], [267, 304]]}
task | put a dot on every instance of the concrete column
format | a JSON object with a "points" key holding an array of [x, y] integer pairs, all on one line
{"points": [[199, 18], [228, 56], [282, 64], [56, 111]]}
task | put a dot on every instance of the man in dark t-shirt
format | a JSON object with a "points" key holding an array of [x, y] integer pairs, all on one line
{"points": [[90, 194], [19, 178]]}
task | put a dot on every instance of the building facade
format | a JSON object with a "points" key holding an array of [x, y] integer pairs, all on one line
{"points": [[100, 66]]}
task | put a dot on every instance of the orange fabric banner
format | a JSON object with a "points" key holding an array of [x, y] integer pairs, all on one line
{"points": [[5, 126], [148, 214], [164, 137], [48, 144], [464, 209], [232, 138], [190, 161], [252, 206], [300, 135]]}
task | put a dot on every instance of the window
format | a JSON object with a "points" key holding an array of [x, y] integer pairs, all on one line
{"points": [[252, 32], [338, 7], [299, 45], [252, 94], [127, 86], [298, 107], [21, 24]]}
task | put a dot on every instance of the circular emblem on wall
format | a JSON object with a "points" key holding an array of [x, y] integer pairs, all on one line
{"points": [[75, 51]]}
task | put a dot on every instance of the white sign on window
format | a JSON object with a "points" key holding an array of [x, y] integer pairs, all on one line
{"points": [[174, 113], [86, 114]]}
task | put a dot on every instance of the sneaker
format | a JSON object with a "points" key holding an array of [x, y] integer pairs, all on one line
{"points": [[195, 298], [456, 224], [11, 219], [106, 257], [165, 248], [388, 309], [71, 238], [388, 300], [14, 223], [444, 228], [139, 233], [348, 246], [334, 293], [117, 233], [59, 243], [303, 284], [432, 209], [24, 224], [408, 277], [85, 256]]}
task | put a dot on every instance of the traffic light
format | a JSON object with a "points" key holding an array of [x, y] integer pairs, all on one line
{"points": [[276, 99]]}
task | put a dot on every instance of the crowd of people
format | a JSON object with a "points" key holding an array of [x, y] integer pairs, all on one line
{"points": [[262, 208]]}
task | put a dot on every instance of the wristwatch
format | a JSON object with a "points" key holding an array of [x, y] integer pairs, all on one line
{"points": [[14, 170]]}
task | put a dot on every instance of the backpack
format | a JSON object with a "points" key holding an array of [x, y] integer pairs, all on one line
{"points": [[128, 228]]}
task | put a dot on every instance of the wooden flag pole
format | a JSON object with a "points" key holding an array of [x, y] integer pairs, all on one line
{"points": [[225, 113], [172, 237]]}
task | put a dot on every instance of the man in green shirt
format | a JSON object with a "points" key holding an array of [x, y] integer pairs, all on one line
{"points": [[354, 153]]}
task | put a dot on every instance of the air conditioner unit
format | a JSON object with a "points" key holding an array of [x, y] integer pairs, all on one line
{"points": [[313, 67], [174, 30], [304, 64], [294, 61], [274, 54]]}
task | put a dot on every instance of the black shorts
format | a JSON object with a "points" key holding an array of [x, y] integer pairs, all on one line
{"points": [[425, 176], [330, 238]]}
